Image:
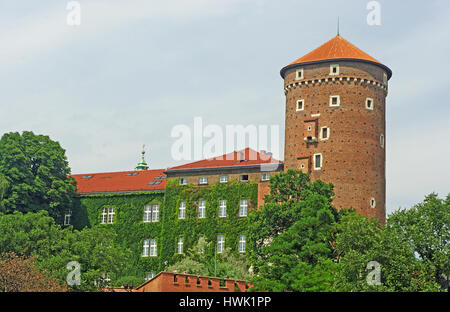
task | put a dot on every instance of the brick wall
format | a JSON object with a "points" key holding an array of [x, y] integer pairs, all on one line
{"points": [[171, 282], [353, 159]]}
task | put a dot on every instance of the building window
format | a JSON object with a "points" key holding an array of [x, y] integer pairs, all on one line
{"points": [[309, 128], [108, 215], [335, 100], [300, 105], [382, 141], [373, 203], [244, 178], [334, 69], [182, 211], [324, 133], [369, 104], [203, 180], [183, 181], [151, 213], [385, 78], [222, 208], [201, 209], [243, 208], [265, 176], [180, 245], [223, 179], [146, 248], [317, 161], [220, 243], [149, 275], [147, 213], [67, 217], [242, 240], [299, 74], [153, 252]]}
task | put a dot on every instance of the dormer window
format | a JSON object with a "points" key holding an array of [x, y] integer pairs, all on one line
{"points": [[369, 104], [300, 105], [299, 74], [334, 69], [335, 100]]}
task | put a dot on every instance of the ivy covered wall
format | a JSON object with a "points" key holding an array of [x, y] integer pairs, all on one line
{"points": [[132, 230]]}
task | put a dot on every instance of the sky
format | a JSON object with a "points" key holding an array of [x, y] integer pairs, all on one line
{"points": [[135, 69]]}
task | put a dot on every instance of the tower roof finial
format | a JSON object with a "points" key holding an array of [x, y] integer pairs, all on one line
{"points": [[142, 165], [338, 27]]}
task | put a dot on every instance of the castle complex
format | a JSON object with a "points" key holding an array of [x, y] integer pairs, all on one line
{"points": [[335, 131]]}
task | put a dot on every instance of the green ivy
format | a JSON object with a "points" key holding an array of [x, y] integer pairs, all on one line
{"points": [[131, 230]]}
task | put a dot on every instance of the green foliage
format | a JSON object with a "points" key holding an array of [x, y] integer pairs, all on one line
{"points": [[192, 228], [292, 234], [129, 227], [36, 235], [35, 169], [426, 227], [228, 264], [360, 241]]}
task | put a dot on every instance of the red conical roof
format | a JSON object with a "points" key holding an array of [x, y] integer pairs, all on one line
{"points": [[335, 49]]}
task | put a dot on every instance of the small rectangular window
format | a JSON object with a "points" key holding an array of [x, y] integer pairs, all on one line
{"points": [[242, 243], [299, 74], [220, 243], [201, 209], [317, 161], [243, 208], [183, 181], [335, 100], [300, 105], [146, 248], [223, 179], [153, 252], [67, 217], [155, 213], [182, 211], [265, 176], [334, 69], [203, 180], [180, 245], [244, 178], [325, 133], [369, 104], [222, 208]]}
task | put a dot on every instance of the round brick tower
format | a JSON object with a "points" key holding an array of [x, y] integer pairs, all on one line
{"points": [[335, 123]]}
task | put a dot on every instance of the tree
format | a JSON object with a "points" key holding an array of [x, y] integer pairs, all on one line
{"points": [[36, 172], [426, 227], [20, 274], [228, 264], [363, 241], [53, 247], [291, 234]]}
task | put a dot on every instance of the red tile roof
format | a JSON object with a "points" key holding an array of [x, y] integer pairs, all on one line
{"points": [[336, 48], [246, 157], [126, 181]]}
